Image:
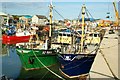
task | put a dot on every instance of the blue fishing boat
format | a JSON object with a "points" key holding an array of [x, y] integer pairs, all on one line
{"points": [[75, 65], [76, 58]]}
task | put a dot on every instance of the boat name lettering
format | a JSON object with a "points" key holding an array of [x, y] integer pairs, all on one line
{"points": [[47, 52], [79, 56]]}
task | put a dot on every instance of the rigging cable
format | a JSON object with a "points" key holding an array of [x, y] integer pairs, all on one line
{"points": [[58, 13], [79, 14], [89, 12], [86, 13]]}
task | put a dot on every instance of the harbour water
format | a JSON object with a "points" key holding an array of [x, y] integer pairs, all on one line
{"points": [[11, 65]]}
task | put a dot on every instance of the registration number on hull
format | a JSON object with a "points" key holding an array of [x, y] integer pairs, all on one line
{"points": [[47, 52]]}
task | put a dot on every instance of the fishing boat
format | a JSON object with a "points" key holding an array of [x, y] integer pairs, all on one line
{"points": [[39, 53], [36, 58], [11, 36], [77, 58], [14, 39]]}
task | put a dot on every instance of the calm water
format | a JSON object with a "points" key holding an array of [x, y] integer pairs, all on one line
{"points": [[12, 67]]}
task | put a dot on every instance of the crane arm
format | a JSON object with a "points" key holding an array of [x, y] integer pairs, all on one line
{"points": [[116, 12]]}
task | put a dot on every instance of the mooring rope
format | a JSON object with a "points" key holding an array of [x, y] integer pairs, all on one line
{"points": [[48, 68], [108, 65]]}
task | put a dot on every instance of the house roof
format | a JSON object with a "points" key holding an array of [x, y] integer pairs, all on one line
{"points": [[27, 16], [88, 19], [3, 14], [41, 17]]}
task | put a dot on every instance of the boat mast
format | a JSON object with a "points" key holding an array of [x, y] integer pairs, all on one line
{"points": [[8, 17], [83, 22], [50, 15]]}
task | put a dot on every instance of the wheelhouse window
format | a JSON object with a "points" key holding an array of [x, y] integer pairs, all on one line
{"points": [[95, 35], [65, 35], [91, 35], [60, 34], [68, 35]]}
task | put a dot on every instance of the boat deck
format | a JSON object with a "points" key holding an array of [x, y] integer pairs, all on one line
{"points": [[109, 47]]}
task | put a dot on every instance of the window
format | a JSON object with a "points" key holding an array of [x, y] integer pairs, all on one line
{"points": [[64, 34], [60, 34], [95, 35], [91, 35], [68, 35]]}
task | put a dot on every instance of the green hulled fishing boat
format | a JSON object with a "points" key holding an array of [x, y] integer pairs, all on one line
{"points": [[38, 53], [34, 58]]}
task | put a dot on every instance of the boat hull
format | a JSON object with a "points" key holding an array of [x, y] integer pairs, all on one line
{"points": [[75, 65], [31, 62], [14, 39]]}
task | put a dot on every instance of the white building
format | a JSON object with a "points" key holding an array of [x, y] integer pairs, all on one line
{"points": [[39, 19], [25, 18]]}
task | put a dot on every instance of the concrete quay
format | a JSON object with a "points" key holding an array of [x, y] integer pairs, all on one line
{"points": [[109, 47]]}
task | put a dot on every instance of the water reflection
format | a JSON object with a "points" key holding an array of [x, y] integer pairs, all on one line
{"points": [[41, 74], [11, 64]]}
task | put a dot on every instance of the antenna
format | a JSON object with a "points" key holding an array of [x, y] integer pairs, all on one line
{"points": [[50, 2]]}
